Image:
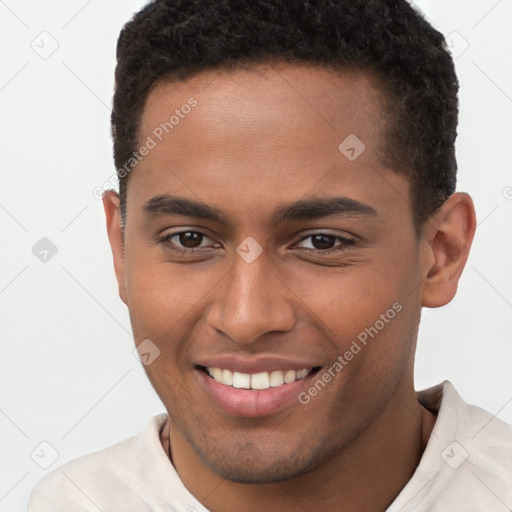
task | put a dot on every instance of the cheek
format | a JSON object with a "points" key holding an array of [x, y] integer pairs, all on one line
{"points": [[369, 313], [168, 302], [161, 296], [345, 300]]}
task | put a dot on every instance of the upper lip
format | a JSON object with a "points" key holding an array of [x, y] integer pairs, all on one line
{"points": [[255, 364]]}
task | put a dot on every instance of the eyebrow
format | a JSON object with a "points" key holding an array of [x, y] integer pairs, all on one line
{"points": [[170, 205], [322, 207], [300, 210]]}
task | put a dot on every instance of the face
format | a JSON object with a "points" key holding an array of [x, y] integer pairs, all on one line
{"points": [[266, 246]]}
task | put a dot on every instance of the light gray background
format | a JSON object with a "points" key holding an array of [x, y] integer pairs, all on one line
{"points": [[67, 372]]}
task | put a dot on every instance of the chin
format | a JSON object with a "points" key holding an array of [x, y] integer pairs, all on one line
{"points": [[259, 472], [247, 464]]}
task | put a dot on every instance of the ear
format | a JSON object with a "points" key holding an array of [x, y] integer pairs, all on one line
{"points": [[448, 233], [116, 237]]}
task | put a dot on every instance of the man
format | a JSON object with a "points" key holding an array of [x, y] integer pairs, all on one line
{"points": [[286, 209]]}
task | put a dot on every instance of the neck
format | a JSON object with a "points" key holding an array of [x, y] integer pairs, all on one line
{"points": [[367, 474]]}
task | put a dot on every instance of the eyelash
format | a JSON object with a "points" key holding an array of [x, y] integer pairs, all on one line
{"points": [[344, 245], [166, 241]]}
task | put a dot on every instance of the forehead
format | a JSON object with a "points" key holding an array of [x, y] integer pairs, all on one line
{"points": [[271, 131], [251, 100]]}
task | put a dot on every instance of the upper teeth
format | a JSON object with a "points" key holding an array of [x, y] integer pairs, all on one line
{"points": [[263, 380]]}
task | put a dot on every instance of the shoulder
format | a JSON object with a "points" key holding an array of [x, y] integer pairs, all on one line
{"points": [[486, 439], [104, 478], [485, 442], [477, 455], [466, 464]]}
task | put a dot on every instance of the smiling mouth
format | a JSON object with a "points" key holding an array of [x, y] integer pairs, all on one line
{"points": [[257, 381]]}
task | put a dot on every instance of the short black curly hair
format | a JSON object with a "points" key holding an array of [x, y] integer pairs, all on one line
{"points": [[388, 38]]}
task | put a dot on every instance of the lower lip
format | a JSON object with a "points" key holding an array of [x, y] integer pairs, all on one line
{"points": [[252, 403]]}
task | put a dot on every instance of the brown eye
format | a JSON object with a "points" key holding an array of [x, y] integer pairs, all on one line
{"points": [[190, 239], [323, 241]]}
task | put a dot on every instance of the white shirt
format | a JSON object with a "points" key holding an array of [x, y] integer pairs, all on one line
{"points": [[466, 467]]}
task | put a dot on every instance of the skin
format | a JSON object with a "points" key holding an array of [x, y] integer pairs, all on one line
{"points": [[257, 140]]}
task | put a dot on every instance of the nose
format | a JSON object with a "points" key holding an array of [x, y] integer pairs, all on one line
{"points": [[251, 301]]}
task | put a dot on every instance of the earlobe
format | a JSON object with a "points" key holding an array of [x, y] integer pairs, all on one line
{"points": [[116, 237], [450, 235]]}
